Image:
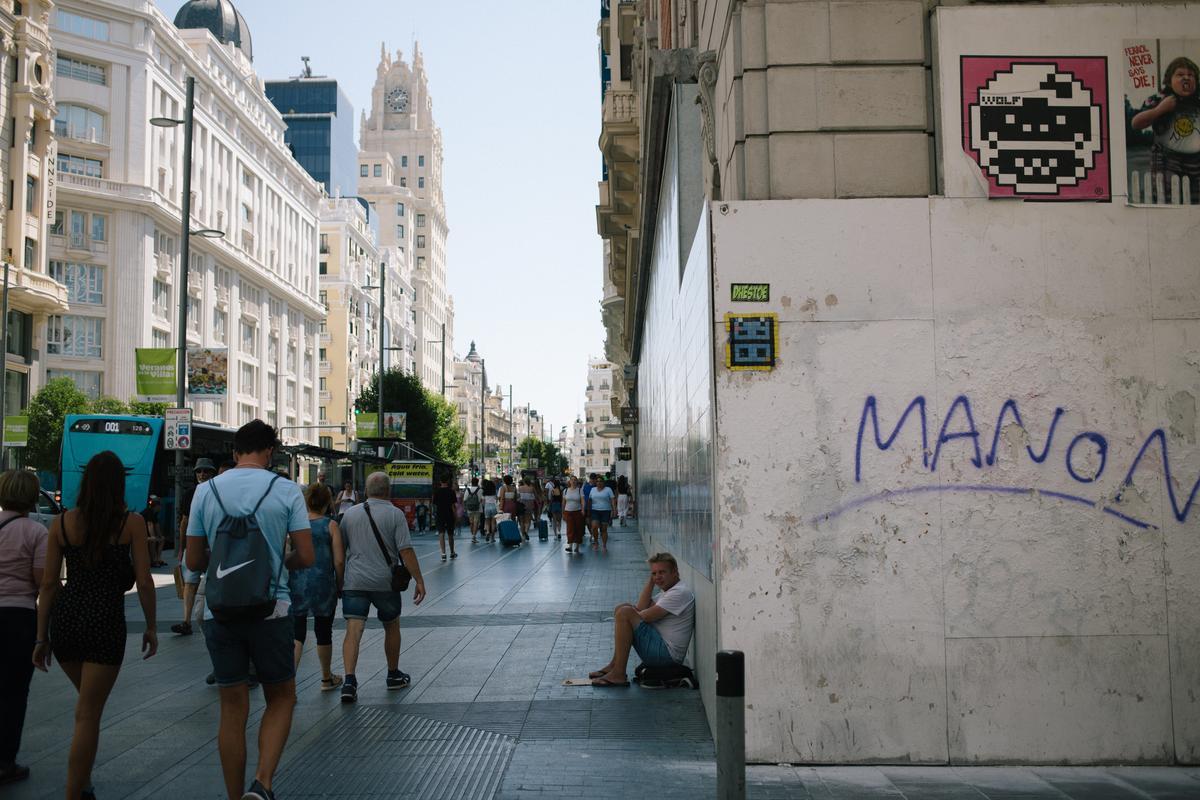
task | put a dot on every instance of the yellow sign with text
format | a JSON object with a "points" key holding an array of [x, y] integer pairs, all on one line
{"points": [[411, 471]]}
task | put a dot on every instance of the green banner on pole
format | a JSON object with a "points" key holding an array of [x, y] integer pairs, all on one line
{"points": [[366, 425], [16, 431], [155, 372]]}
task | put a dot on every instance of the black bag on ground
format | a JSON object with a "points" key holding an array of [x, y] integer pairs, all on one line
{"points": [[543, 530], [670, 677], [400, 574], [240, 584]]}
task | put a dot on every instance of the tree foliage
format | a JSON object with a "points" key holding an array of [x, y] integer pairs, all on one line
{"points": [[432, 421], [547, 453], [47, 410]]}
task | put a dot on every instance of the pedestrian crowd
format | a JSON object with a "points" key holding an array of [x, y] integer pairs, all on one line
{"points": [[260, 556]]}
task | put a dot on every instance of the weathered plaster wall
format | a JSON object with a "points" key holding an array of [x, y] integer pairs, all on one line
{"points": [[925, 546]]}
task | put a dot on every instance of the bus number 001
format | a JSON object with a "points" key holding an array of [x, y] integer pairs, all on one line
{"points": [[112, 427]]}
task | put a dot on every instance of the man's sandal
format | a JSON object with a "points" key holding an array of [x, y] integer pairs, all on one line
{"points": [[605, 683], [331, 683]]}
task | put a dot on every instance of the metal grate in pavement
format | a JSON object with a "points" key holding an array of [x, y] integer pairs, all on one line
{"points": [[373, 752]]}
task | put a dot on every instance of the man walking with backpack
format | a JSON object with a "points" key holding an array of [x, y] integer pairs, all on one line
{"points": [[380, 562], [237, 532], [473, 503]]}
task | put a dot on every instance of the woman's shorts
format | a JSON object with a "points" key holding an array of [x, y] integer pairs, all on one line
{"points": [[602, 517]]}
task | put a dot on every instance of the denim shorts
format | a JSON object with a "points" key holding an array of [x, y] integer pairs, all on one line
{"points": [[603, 517], [265, 643], [357, 605], [651, 647]]}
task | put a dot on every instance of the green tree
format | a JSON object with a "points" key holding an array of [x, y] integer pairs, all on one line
{"points": [[449, 440], [109, 405], [403, 391], [147, 408], [47, 410]]}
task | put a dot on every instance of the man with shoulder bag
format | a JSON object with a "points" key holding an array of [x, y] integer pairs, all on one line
{"points": [[380, 564]]}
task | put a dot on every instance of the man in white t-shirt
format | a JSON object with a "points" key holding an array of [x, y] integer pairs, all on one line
{"points": [[659, 629]]}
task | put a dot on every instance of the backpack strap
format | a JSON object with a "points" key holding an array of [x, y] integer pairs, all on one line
{"points": [[216, 494], [10, 519], [264, 497]]}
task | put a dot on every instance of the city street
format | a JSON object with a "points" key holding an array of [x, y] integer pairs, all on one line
{"points": [[486, 715]]}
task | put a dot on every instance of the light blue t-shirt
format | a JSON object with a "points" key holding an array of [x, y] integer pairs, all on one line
{"points": [[283, 510], [601, 499]]}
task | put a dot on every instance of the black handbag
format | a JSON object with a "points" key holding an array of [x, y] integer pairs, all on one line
{"points": [[400, 574]]}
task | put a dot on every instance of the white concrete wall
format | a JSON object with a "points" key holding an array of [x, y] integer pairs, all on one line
{"points": [[935, 599]]}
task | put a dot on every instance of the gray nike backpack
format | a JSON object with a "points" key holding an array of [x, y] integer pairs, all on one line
{"points": [[241, 583]]}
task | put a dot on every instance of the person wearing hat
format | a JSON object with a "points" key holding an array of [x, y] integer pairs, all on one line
{"points": [[203, 470]]}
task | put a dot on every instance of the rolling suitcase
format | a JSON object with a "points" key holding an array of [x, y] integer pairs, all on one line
{"points": [[543, 530], [510, 534]]}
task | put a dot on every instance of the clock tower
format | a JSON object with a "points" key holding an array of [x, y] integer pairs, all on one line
{"points": [[400, 175]]}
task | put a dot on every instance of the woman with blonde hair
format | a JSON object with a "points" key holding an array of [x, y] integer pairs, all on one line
{"points": [[22, 559], [83, 622], [315, 589]]}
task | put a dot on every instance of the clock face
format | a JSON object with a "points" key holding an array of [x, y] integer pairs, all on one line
{"points": [[397, 100]]}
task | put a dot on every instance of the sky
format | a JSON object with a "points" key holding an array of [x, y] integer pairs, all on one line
{"points": [[516, 92]]}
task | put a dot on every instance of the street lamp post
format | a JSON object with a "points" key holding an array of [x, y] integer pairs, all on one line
{"points": [[510, 428], [185, 234]]}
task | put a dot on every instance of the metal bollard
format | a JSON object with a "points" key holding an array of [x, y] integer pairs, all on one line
{"points": [[731, 725]]}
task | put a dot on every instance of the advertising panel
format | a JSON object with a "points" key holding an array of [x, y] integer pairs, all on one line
{"points": [[207, 373], [155, 372]]}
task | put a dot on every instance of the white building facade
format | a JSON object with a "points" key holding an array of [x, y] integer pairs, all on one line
{"points": [[400, 174], [115, 239]]}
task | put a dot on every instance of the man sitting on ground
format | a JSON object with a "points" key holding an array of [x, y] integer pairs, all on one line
{"points": [[660, 629]]}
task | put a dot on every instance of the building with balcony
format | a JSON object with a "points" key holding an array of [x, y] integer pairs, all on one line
{"points": [[400, 175], [349, 356], [908, 362], [27, 170], [600, 434], [114, 239]]}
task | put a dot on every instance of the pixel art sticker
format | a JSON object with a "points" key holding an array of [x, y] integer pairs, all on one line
{"points": [[1038, 126], [753, 341]]}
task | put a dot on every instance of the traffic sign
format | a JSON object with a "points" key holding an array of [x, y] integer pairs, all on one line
{"points": [[177, 433]]}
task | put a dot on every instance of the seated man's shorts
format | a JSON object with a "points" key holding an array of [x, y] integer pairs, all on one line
{"points": [[357, 605], [266, 643], [651, 647], [602, 517]]}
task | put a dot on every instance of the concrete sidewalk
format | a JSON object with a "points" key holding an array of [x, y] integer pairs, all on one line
{"points": [[487, 715]]}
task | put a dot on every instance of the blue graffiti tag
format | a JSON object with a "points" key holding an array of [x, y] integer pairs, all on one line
{"points": [[959, 423]]}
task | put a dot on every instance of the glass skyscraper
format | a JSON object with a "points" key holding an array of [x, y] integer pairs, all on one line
{"points": [[320, 130]]}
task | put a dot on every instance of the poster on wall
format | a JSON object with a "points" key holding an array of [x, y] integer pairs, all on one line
{"points": [[1162, 121], [207, 373], [1038, 126]]}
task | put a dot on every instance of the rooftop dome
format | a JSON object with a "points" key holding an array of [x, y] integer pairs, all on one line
{"points": [[473, 355], [220, 17]]}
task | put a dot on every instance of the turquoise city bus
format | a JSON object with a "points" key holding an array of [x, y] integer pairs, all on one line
{"points": [[137, 441]]}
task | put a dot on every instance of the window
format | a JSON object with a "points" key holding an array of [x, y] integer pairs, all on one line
{"points": [[247, 179], [99, 228], [194, 309], [421, 183], [30, 191], [421, 240], [162, 299], [220, 323], [379, 170], [272, 388], [247, 214], [87, 382], [399, 231], [77, 165], [78, 223], [88, 27], [321, 355], [321, 413], [420, 262], [323, 298], [81, 70], [420, 220], [362, 170], [404, 161], [322, 386], [70, 335], [324, 244], [245, 413], [325, 441], [84, 282], [30, 254], [248, 338], [290, 394], [403, 181], [79, 122], [57, 228], [159, 338], [399, 209], [249, 379], [420, 161]]}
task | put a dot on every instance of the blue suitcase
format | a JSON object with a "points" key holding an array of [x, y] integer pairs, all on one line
{"points": [[510, 534], [543, 530]]}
